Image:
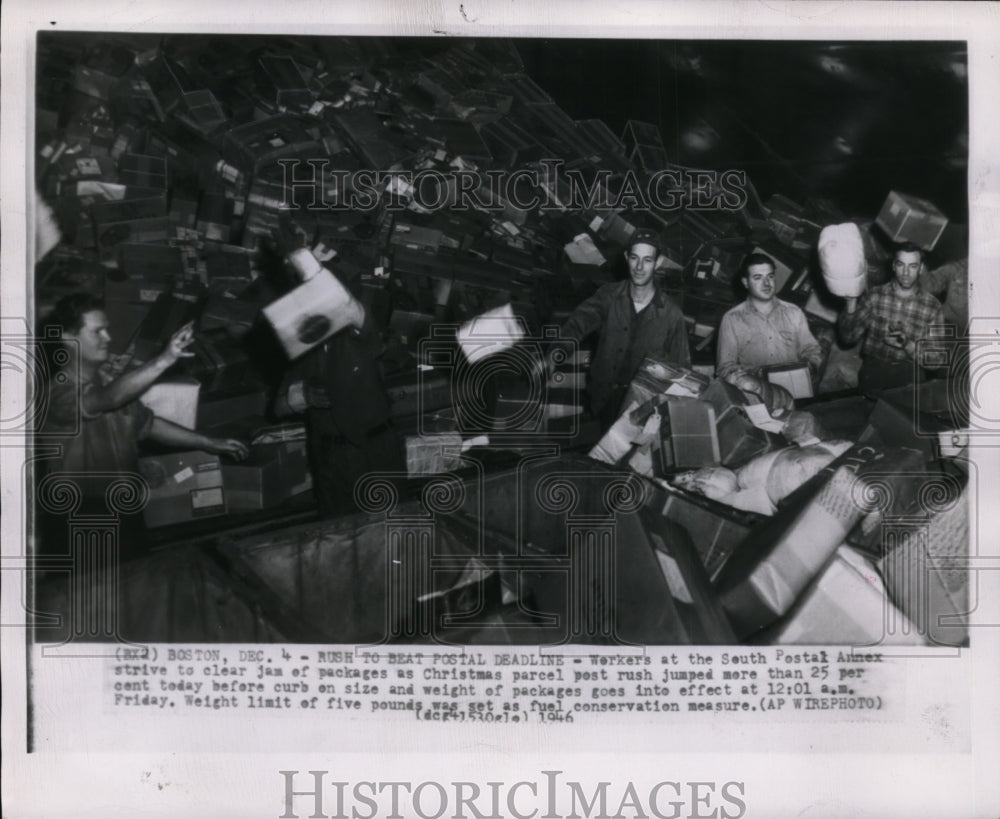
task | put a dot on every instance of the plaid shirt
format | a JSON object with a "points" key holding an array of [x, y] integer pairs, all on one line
{"points": [[882, 312]]}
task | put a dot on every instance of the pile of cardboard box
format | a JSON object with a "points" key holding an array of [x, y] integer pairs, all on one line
{"points": [[167, 161], [874, 537]]}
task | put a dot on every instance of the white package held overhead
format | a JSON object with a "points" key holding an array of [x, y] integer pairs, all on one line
{"points": [[310, 313], [842, 259], [490, 333]]}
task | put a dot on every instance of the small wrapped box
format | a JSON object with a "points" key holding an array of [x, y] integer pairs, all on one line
{"points": [[906, 218], [310, 313], [433, 453], [793, 377]]}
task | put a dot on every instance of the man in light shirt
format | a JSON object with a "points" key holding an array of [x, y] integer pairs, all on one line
{"points": [[764, 330]]}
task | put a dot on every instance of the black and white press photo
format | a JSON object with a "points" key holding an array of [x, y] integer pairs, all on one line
{"points": [[606, 381]]}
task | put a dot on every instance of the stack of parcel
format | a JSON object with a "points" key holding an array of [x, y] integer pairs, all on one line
{"points": [[167, 161]]}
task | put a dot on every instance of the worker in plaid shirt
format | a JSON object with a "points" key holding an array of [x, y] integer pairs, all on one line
{"points": [[891, 317]]}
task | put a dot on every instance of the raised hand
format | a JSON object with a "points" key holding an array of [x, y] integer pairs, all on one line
{"points": [[178, 345]]}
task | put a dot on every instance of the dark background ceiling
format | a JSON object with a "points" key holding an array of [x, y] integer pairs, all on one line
{"points": [[849, 121]]}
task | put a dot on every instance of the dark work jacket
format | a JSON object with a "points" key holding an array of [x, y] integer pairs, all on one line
{"points": [[346, 368], [625, 338]]}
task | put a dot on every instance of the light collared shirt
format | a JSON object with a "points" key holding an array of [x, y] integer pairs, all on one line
{"points": [[749, 339]]}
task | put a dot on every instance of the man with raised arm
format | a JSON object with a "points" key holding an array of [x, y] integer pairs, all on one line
{"points": [[633, 319]]}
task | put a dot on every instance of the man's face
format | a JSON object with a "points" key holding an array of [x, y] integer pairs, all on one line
{"points": [[906, 267], [759, 281], [92, 338], [641, 260]]}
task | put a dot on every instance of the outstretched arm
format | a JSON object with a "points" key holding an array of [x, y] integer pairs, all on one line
{"points": [[131, 385], [170, 434], [853, 321]]}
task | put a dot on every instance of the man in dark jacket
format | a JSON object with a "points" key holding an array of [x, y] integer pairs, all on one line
{"points": [[338, 386], [633, 319]]}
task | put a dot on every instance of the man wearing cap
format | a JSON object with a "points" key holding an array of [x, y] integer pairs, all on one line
{"points": [[764, 330], [633, 319]]}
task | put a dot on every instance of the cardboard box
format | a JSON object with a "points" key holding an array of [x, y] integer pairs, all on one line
{"points": [[94, 82], [254, 144], [927, 572], [143, 171], [782, 555], [310, 313], [688, 434], [847, 604], [167, 315], [644, 143], [271, 473], [415, 392], [226, 406], [175, 400], [201, 112], [716, 530], [906, 218], [149, 266], [220, 362], [793, 377], [234, 315], [430, 454], [739, 440], [183, 486], [657, 379], [215, 217], [141, 231], [280, 82]]}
